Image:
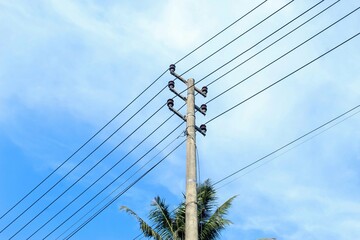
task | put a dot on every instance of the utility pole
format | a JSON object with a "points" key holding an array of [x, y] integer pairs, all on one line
{"points": [[191, 213]]}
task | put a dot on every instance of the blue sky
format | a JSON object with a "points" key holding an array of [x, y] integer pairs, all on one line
{"points": [[68, 67]]}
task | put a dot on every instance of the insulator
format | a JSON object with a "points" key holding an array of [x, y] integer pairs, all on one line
{"points": [[170, 103], [172, 68], [204, 90], [203, 108], [203, 128], [171, 84]]}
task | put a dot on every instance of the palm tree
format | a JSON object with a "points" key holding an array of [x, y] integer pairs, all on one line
{"points": [[171, 224]]}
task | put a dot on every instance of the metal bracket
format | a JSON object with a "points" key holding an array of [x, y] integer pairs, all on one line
{"points": [[203, 132], [177, 94], [200, 110], [170, 102], [177, 113], [203, 91]]}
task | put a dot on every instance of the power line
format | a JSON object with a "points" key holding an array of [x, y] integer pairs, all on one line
{"points": [[306, 140], [129, 120], [253, 27], [109, 195], [283, 79], [288, 52], [288, 144], [235, 39], [268, 46], [323, 54], [120, 194], [223, 30], [271, 85], [99, 178], [105, 172], [301, 15], [96, 164], [317, 15], [285, 146], [77, 165], [119, 113], [242, 34], [265, 48], [81, 147]]}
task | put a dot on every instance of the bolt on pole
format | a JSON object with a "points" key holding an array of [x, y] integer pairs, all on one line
{"points": [[191, 213]]}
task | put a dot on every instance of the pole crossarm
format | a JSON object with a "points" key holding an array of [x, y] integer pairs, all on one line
{"points": [[202, 91], [170, 102]]}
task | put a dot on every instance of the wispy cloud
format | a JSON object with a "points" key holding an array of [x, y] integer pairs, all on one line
{"points": [[70, 63]]}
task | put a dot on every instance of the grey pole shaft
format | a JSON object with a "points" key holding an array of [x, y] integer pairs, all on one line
{"points": [[191, 218]]}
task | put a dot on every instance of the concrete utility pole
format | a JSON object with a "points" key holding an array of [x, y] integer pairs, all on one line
{"points": [[191, 214], [191, 218]]}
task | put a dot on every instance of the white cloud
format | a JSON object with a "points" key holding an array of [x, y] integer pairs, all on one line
{"points": [[76, 60]]}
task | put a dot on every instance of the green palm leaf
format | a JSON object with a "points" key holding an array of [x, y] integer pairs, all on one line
{"points": [[171, 225], [145, 228]]}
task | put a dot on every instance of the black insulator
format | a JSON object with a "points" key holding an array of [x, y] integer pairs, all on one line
{"points": [[171, 84], [172, 68], [170, 103], [203, 128], [203, 108], [204, 90]]}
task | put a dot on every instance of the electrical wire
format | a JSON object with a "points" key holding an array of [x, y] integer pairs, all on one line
{"points": [[114, 180], [77, 165], [107, 170], [127, 106], [265, 48], [349, 39], [320, 56], [268, 46], [55, 185], [94, 167], [120, 194], [117, 188], [81, 147], [288, 52], [111, 168], [223, 30], [165, 72], [288, 144], [239, 36], [283, 147], [271, 85], [310, 20], [242, 34], [301, 143], [78, 180], [316, 58], [163, 88]]}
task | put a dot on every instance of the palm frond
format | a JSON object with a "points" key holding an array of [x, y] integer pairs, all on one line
{"points": [[206, 199], [212, 227], [179, 221], [162, 218], [171, 226], [146, 229]]}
